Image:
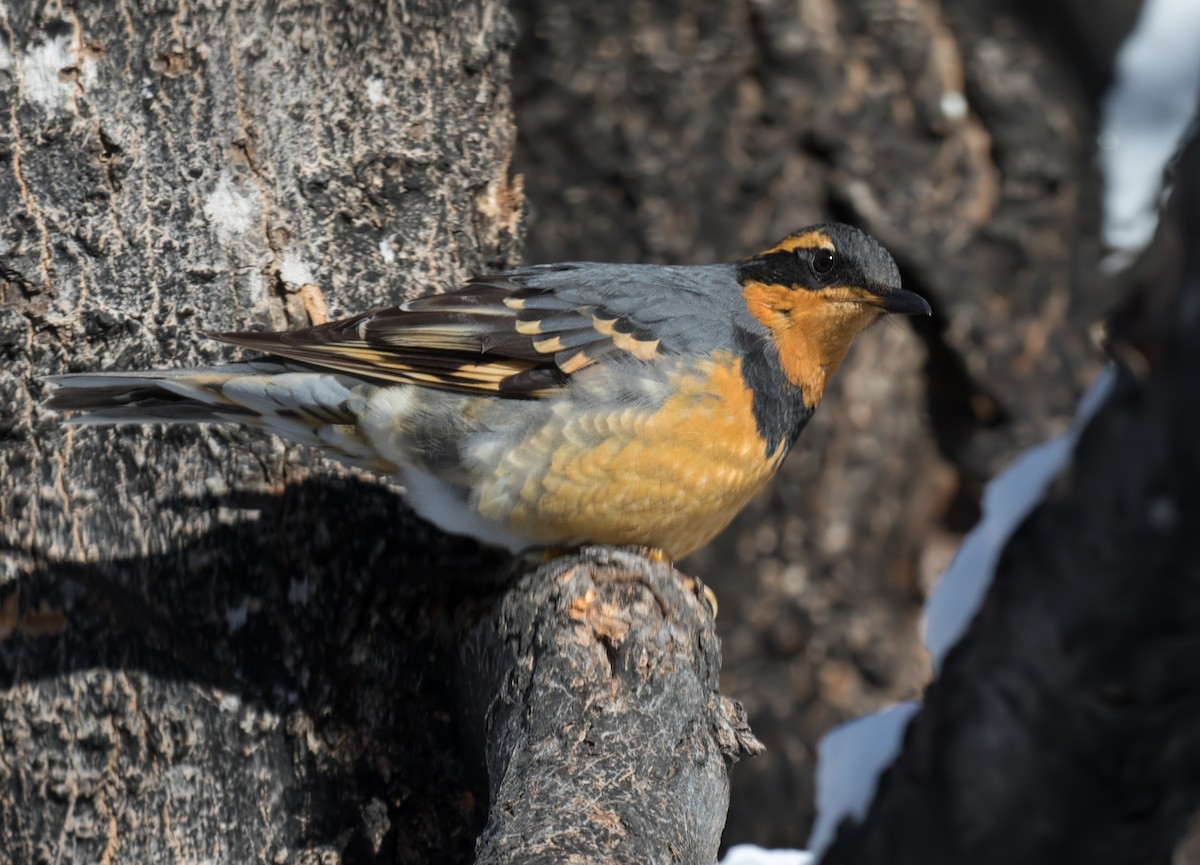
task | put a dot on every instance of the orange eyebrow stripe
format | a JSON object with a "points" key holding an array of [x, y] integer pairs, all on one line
{"points": [[807, 240]]}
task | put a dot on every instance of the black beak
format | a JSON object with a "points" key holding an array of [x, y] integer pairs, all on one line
{"points": [[903, 302]]}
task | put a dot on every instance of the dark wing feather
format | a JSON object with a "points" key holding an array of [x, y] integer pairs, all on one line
{"points": [[521, 334]]}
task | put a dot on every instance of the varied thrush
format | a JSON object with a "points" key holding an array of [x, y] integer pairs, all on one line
{"points": [[558, 404]]}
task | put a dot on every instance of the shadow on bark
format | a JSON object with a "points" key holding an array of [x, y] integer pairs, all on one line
{"points": [[353, 661], [419, 676]]}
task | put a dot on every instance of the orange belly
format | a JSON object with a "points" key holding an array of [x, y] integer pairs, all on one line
{"points": [[669, 478]]}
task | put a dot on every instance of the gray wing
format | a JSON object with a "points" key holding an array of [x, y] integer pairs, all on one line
{"points": [[525, 332], [683, 309]]}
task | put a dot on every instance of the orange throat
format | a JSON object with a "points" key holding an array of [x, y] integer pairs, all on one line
{"points": [[812, 329]]}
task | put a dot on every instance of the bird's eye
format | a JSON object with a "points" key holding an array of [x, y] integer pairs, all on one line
{"points": [[823, 261]]}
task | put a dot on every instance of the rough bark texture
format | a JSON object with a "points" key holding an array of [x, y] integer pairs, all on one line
{"points": [[697, 131], [206, 655], [607, 740], [1063, 728]]}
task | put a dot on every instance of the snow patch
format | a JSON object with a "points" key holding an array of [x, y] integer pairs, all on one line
{"points": [[375, 94], [850, 759], [1143, 116], [293, 271], [7, 61], [229, 210], [41, 82], [748, 854], [387, 251], [1008, 499]]}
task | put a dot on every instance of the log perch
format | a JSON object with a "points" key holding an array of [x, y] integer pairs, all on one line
{"points": [[607, 741]]}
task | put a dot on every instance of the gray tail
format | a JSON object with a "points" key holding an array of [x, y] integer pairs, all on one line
{"points": [[151, 397], [292, 401]]}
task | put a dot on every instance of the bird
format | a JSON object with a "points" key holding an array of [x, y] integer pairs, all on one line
{"points": [[558, 405]]}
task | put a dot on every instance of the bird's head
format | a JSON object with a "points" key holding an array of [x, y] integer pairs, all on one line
{"points": [[815, 291]]}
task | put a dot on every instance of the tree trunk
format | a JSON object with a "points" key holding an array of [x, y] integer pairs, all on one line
{"points": [[218, 648], [1063, 727]]}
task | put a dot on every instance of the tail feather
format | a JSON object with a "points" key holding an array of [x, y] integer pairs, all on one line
{"points": [[153, 396], [169, 396], [308, 407]]}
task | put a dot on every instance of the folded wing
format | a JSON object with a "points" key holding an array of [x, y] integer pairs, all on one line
{"points": [[520, 334]]}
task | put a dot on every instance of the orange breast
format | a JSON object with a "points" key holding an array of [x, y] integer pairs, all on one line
{"points": [[671, 477]]}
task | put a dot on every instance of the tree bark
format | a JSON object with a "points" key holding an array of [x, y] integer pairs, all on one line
{"points": [[607, 740], [1063, 727], [216, 647]]}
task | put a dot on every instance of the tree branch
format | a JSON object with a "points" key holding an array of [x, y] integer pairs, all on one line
{"points": [[607, 740]]}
